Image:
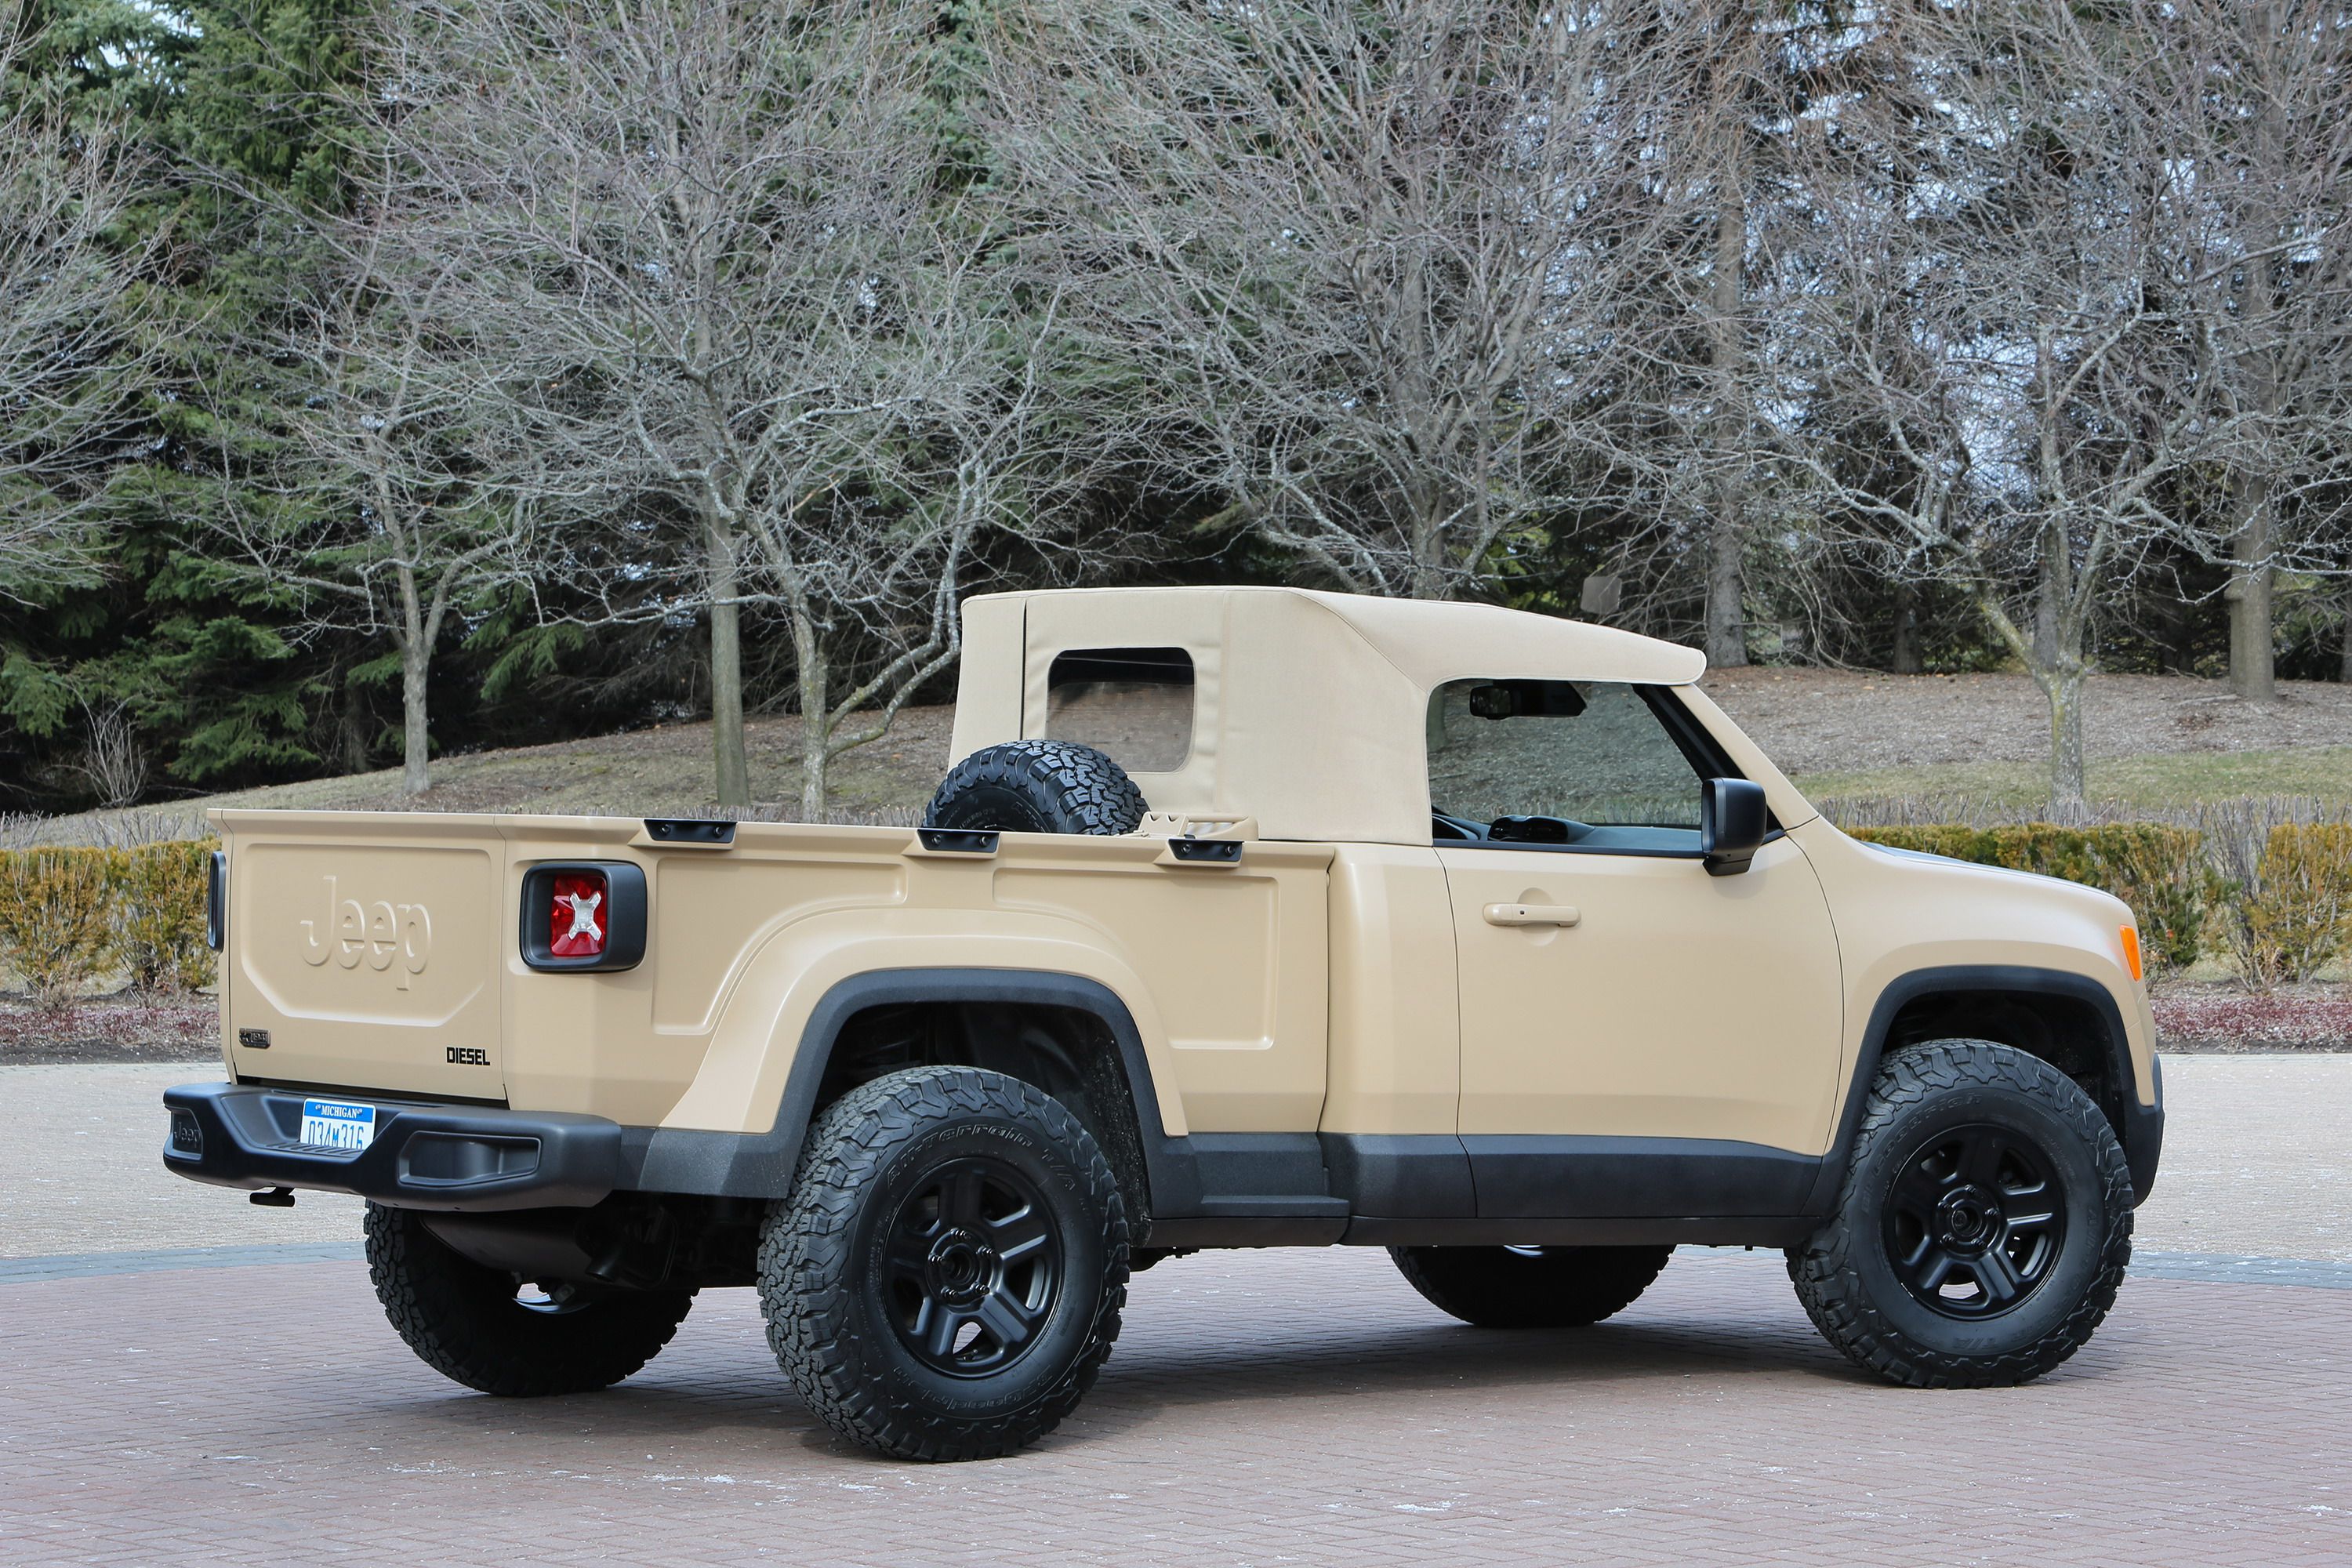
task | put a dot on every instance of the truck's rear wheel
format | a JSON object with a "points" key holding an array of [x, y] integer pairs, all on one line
{"points": [[1038, 786], [1530, 1287], [946, 1279], [1984, 1224], [489, 1331]]}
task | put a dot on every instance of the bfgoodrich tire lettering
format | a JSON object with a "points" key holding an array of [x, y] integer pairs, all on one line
{"points": [[946, 1280], [1984, 1224], [478, 1327], [1530, 1287]]}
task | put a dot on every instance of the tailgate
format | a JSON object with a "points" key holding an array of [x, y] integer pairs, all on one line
{"points": [[364, 950]]}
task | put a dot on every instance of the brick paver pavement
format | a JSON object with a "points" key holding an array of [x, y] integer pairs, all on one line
{"points": [[1262, 1408]]}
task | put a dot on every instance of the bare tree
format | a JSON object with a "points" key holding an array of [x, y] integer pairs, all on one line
{"points": [[394, 502], [71, 366], [963, 437], [2001, 394], [1735, 66], [1355, 252], [713, 241], [2252, 102], [1725, 86], [1710, 66]]}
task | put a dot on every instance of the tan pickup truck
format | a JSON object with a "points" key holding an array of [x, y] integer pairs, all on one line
{"points": [[1247, 917]]}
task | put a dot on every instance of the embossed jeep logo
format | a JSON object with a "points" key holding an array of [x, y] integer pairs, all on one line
{"points": [[375, 933]]}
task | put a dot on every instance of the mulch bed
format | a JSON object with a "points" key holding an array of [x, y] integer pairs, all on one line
{"points": [[2206, 1017], [2190, 1017], [125, 1027]]}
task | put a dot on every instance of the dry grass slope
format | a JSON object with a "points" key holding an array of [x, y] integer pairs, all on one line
{"points": [[2153, 741]]}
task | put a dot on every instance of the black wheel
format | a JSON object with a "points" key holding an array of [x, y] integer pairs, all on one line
{"points": [[946, 1279], [493, 1331], [1530, 1287], [1984, 1224], [1038, 786]]}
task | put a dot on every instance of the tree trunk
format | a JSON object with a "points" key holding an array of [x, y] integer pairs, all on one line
{"points": [[730, 766], [2345, 674], [354, 737], [816, 711], [417, 741], [2252, 675], [1906, 660], [1726, 625], [2064, 686], [414, 642], [2046, 599], [2057, 663]]}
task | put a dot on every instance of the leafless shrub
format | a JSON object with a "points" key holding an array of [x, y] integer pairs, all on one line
{"points": [[125, 829], [112, 760]]}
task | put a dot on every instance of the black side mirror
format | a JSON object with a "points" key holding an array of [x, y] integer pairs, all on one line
{"points": [[1731, 824]]}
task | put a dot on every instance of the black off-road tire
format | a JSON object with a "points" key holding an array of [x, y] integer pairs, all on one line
{"points": [[1038, 786], [1533, 1287], [465, 1322], [1954, 1095], [857, 1274]]}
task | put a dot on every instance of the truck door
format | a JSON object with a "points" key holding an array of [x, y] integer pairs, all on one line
{"points": [[1638, 1036]]}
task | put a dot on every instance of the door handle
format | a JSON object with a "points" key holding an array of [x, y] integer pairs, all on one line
{"points": [[1533, 915]]}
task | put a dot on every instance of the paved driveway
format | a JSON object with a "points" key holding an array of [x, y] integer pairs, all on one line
{"points": [[1262, 1407]]}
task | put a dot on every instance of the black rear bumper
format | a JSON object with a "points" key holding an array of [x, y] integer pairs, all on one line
{"points": [[425, 1156]]}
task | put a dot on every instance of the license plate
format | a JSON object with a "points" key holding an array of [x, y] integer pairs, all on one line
{"points": [[337, 1124]]}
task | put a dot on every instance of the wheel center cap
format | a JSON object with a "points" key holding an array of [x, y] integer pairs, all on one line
{"points": [[1967, 1217], [963, 1267]]}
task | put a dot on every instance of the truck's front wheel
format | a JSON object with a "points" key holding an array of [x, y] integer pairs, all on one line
{"points": [[946, 1279], [489, 1331], [1984, 1224], [1530, 1287]]}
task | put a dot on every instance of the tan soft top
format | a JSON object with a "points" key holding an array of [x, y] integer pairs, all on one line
{"points": [[1434, 643], [1309, 707]]}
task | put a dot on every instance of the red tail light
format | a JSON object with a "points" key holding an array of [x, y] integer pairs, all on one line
{"points": [[578, 915]]}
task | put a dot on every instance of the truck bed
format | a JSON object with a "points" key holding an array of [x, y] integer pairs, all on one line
{"points": [[383, 952]]}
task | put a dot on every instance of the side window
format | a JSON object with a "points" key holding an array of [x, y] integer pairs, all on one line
{"points": [[1559, 762], [1134, 704]]}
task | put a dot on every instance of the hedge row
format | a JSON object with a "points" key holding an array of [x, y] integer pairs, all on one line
{"points": [[2286, 914], [72, 916]]}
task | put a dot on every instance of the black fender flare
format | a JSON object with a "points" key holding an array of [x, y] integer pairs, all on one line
{"points": [[2138, 1128], [761, 1165]]}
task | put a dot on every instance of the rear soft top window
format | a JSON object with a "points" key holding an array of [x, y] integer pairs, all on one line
{"points": [[1134, 704]]}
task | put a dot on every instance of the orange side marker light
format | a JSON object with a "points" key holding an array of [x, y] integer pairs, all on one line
{"points": [[2131, 951]]}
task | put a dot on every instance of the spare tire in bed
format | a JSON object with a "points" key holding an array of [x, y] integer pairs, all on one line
{"points": [[1038, 786]]}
